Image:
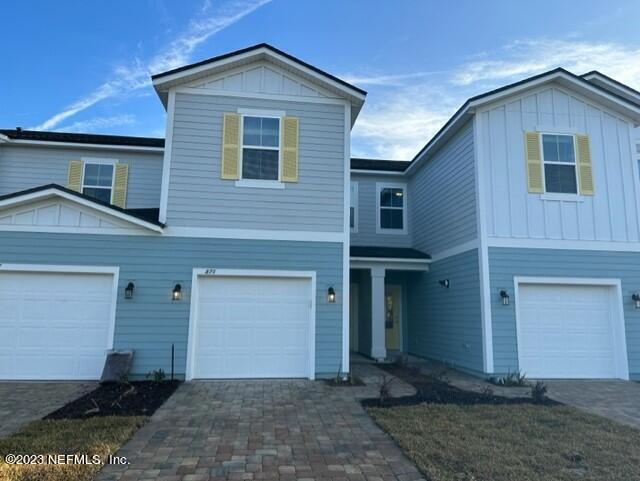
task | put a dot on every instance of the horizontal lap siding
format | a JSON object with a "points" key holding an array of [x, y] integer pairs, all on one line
{"points": [[366, 234], [24, 167], [445, 324], [505, 263], [150, 322], [199, 198], [442, 196]]}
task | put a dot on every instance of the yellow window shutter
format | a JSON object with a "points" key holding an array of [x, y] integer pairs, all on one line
{"points": [[289, 164], [230, 168], [585, 172], [534, 162], [120, 180], [74, 175]]}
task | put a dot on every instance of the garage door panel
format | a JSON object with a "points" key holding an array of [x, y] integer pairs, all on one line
{"points": [[54, 325], [567, 331], [252, 327]]}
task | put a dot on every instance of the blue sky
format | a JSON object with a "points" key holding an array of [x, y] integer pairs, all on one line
{"points": [[84, 66]]}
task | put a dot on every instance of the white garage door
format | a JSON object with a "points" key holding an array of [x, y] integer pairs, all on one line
{"points": [[252, 327], [569, 331], [53, 325]]}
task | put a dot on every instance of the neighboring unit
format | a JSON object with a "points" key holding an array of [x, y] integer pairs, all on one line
{"points": [[251, 243]]}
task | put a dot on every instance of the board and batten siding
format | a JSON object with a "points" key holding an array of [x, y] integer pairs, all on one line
{"points": [[446, 324], [511, 212], [150, 322], [198, 197], [442, 196], [26, 166], [506, 263], [367, 215]]}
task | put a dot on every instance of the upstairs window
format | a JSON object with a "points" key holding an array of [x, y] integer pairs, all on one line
{"points": [[392, 212], [97, 181], [353, 210], [260, 148], [559, 159]]}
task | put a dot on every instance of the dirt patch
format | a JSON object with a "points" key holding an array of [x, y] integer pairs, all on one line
{"points": [[140, 398], [432, 390]]}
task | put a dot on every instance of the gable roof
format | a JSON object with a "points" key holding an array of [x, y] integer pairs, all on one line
{"points": [[85, 139], [54, 190], [612, 85], [162, 82], [559, 75]]}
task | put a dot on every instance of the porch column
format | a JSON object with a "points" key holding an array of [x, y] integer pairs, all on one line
{"points": [[378, 349]]}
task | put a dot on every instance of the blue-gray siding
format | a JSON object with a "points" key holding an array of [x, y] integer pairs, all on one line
{"points": [[442, 196], [150, 322], [199, 198], [445, 324], [26, 166], [505, 263], [366, 235]]}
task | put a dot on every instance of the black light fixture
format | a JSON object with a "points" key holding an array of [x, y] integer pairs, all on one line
{"points": [[128, 291], [444, 283], [636, 299], [176, 294], [505, 297], [331, 295]]}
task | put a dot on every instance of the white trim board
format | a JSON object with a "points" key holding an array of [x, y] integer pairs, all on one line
{"points": [[256, 234], [622, 361], [166, 161], [588, 245], [214, 272], [346, 236]]}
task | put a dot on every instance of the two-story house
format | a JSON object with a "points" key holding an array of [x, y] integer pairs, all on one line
{"points": [[248, 243]]}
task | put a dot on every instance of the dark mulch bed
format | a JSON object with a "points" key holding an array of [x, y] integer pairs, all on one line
{"points": [[351, 382], [436, 391], [139, 398]]}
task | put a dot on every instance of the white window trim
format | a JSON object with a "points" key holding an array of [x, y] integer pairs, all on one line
{"points": [[405, 207], [560, 195], [354, 203], [98, 161], [261, 183]]}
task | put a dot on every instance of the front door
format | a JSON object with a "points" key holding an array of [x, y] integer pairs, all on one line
{"points": [[392, 316]]}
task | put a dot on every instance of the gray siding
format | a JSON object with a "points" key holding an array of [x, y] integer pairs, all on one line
{"points": [[150, 322], [366, 235], [26, 166], [505, 263], [442, 196], [199, 198], [445, 324]]}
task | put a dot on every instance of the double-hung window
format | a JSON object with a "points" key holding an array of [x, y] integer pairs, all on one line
{"points": [[391, 208], [559, 160], [97, 180], [260, 148]]}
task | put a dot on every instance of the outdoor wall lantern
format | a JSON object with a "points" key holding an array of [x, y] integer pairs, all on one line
{"points": [[444, 283], [636, 300], [128, 291], [331, 295], [505, 297], [176, 294]]}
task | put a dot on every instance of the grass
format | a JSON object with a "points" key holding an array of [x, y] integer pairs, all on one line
{"points": [[99, 436], [512, 442]]}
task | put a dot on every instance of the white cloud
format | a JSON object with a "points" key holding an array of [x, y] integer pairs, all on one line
{"points": [[134, 77], [98, 123], [404, 111]]}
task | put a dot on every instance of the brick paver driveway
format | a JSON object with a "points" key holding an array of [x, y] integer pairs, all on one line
{"points": [[614, 399], [23, 402], [267, 429]]}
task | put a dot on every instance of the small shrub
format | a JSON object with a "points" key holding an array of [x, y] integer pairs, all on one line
{"points": [[157, 375], [384, 391], [539, 392], [512, 379]]}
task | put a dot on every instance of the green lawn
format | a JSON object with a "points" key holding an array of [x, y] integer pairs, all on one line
{"points": [[512, 443], [99, 436]]}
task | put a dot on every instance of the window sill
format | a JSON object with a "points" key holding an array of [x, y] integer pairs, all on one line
{"points": [[391, 231], [563, 197], [260, 184]]}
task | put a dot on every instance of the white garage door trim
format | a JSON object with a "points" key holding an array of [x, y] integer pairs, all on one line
{"points": [[212, 272], [622, 365], [114, 271]]}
